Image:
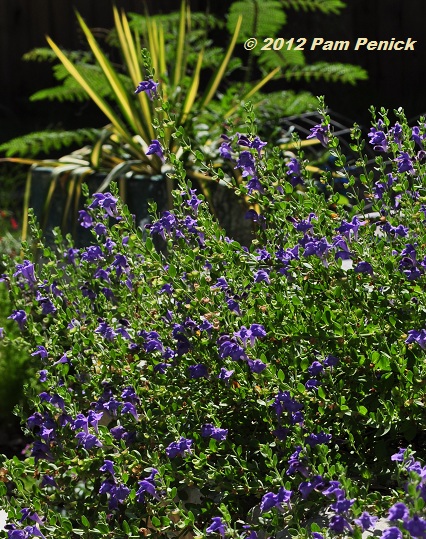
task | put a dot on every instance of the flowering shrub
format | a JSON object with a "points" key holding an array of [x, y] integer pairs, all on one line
{"points": [[194, 387]]}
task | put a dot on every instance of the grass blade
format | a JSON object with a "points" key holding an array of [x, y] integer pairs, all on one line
{"points": [[253, 90], [192, 90], [177, 75], [218, 76], [120, 94]]}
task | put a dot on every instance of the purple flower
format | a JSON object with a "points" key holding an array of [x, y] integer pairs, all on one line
{"points": [[398, 511], [147, 486], [48, 480], [338, 523], [88, 440], [396, 131], [198, 371], [42, 375], [399, 230], [20, 317], [193, 203], [334, 489], [296, 464], [342, 505], [118, 493], [155, 149], [322, 133], [105, 201], [316, 247], [399, 457], [108, 466], [315, 368], [243, 140], [246, 162], [225, 150], [85, 219], [404, 163], [418, 337], [305, 224], [416, 136], [347, 229], [149, 87], [283, 401], [257, 144], [225, 375], [331, 361], [41, 351], [129, 408], [378, 140], [209, 430], [271, 500], [317, 439], [217, 526], [179, 448], [100, 229], [92, 254], [256, 365], [312, 384], [363, 267], [294, 172], [261, 276], [254, 185], [106, 331], [26, 269], [306, 487], [391, 533]]}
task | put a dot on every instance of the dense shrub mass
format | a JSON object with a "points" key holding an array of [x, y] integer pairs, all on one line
{"points": [[189, 386]]}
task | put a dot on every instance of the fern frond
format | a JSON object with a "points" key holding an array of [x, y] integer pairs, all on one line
{"points": [[170, 22], [325, 6], [271, 107], [44, 141], [260, 18], [336, 72], [269, 60], [44, 54], [71, 90]]}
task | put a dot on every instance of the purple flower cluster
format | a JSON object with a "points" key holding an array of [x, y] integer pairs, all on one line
{"points": [[170, 225], [235, 346], [271, 500], [179, 449], [399, 512], [322, 133], [149, 87], [246, 160]]}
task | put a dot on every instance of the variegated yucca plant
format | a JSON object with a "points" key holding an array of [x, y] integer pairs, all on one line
{"points": [[121, 146]]}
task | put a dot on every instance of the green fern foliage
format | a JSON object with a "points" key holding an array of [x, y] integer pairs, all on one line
{"points": [[45, 141], [269, 60], [335, 72], [45, 54], [325, 6], [71, 90], [260, 18]]}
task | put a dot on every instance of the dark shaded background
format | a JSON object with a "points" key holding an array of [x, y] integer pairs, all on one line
{"points": [[396, 78]]}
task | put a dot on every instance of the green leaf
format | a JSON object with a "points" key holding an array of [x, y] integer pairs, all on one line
{"points": [[260, 18], [362, 410]]}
